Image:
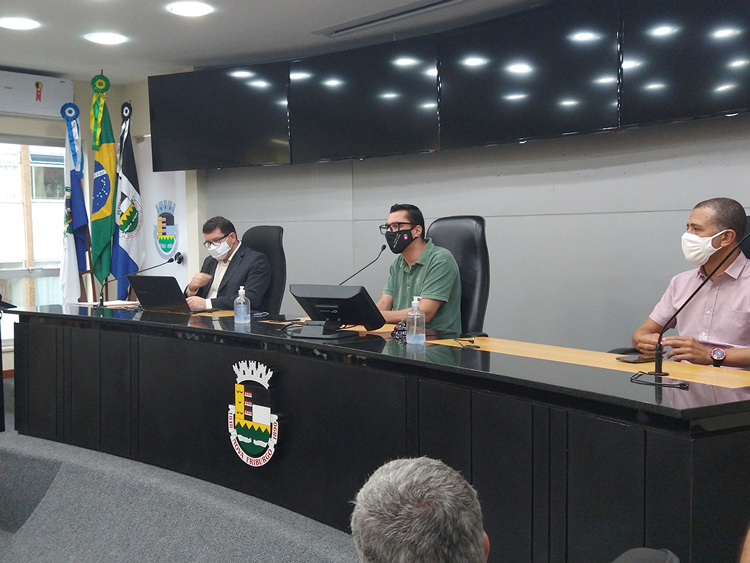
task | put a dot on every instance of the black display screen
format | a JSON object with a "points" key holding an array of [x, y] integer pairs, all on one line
{"points": [[365, 102], [219, 118], [684, 58], [542, 73]]}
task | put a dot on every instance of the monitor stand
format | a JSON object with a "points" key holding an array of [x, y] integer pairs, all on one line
{"points": [[321, 330]]}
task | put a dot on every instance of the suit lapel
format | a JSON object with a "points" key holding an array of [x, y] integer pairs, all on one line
{"points": [[232, 268]]}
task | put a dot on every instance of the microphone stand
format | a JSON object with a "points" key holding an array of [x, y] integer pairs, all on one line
{"points": [[659, 348], [382, 248], [177, 258]]}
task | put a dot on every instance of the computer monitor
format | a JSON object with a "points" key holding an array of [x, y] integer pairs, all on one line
{"points": [[331, 307]]}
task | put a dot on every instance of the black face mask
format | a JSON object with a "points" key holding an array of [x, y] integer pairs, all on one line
{"points": [[399, 240]]}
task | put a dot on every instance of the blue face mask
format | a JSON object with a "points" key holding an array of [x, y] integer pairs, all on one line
{"points": [[399, 240]]}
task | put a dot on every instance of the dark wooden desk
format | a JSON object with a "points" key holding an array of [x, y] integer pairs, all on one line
{"points": [[572, 463]]}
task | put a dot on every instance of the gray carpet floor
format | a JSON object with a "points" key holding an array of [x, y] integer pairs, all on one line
{"points": [[61, 503]]}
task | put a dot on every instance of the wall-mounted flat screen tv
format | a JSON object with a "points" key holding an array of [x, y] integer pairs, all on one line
{"points": [[542, 73], [365, 102], [684, 59], [220, 118]]}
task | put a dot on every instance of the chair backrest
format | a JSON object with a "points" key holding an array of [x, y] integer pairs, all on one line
{"points": [[464, 236], [745, 246], [269, 239]]}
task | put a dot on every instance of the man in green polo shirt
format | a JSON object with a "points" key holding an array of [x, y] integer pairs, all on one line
{"points": [[422, 269]]}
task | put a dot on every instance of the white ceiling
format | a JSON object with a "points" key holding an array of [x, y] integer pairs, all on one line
{"points": [[238, 32]]}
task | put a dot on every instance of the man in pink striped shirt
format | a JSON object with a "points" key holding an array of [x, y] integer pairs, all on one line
{"points": [[714, 328]]}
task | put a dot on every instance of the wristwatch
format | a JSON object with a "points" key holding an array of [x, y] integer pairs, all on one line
{"points": [[717, 356]]}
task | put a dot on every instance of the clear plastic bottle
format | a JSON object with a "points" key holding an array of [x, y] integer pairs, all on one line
{"points": [[241, 308], [415, 324]]}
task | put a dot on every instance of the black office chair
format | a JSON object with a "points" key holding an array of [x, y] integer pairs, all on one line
{"points": [[646, 555], [269, 240], [464, 236]]}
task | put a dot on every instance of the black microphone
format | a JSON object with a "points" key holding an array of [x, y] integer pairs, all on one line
{"points": [[659, 349], [382, 248], [177, 258]]}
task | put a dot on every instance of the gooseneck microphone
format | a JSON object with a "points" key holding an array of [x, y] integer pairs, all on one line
{"points": [[659, 354], [382, 248], [176, 258]]}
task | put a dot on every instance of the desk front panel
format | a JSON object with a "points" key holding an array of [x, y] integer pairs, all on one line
{"points": [[561, 478]]}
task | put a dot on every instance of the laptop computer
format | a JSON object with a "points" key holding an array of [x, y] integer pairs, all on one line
{"points": [[159, 293]]}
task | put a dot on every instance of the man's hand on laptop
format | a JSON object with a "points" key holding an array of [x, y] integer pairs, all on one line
{"points": [[196, 302]]}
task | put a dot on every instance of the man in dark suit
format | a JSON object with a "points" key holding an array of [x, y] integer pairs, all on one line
{"points": [[229, 266]]}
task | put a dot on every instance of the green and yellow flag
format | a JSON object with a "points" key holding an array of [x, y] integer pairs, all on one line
{"points": [[104, 188]]}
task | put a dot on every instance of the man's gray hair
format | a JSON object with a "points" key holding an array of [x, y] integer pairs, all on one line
{"points": [[418, 511]]}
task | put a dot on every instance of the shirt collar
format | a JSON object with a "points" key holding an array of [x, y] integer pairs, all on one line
{"points": [[734, 270], [423, 257]]}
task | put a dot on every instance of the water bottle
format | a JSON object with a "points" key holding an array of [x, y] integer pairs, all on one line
{"points": [[241, 308], [415, 324]]}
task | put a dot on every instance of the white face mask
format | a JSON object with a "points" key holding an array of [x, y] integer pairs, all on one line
{"points": [[219, 251], [698, 250]]}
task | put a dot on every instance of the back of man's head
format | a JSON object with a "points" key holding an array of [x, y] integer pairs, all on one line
{"points": [[418, 511], [728, 214]]}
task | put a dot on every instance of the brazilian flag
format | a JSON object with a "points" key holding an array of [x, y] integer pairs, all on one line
{"points": [[105, 167]]}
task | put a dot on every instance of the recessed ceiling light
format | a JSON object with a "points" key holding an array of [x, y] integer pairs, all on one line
{"points": [[106, 38], [431, 72], [389, 95], [474, 61], [738, 63], [20, 24], [655, 86], [333, 82], [405, 61], [663, 30], [726, 33], [569, 103], [512, 97], [724, 87], [190, 9], [584, 36], [519, 68], [606, 80], [299, 75], [428, 105], [259, 84], [241, 74], [630, 64]]}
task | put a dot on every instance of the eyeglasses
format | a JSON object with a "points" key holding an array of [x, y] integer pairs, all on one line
{"points": [[393, 227], [210, 243]]}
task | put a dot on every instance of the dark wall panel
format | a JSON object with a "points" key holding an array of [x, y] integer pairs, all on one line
{"points": [[445, 424], [502, 458], [115, 393], [669, 468], [605, 488], [42, 381], [85, 388], [721, 497], [335, 426]]}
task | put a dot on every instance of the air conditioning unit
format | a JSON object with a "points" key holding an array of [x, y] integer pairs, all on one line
{"points": [[30, 94]]}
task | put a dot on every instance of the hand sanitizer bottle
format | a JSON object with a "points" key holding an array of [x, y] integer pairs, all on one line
{"points": [[241, 308], [415, 324]]}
